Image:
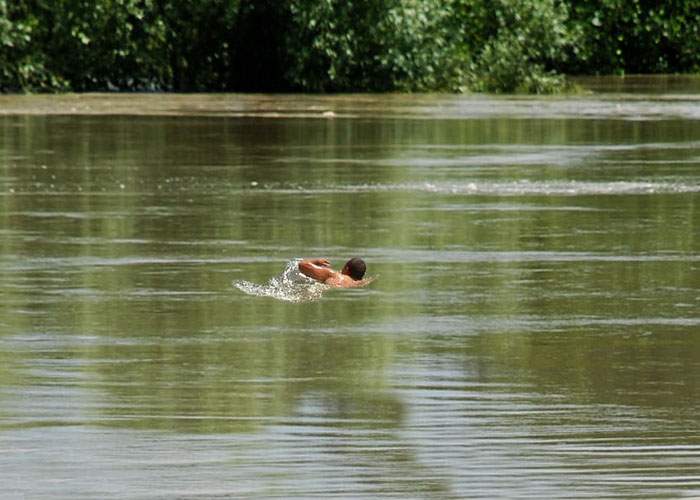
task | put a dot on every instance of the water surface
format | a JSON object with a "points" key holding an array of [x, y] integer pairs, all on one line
{"points": [[534, 331]]}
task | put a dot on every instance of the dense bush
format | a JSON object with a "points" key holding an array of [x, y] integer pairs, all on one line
{"points": [[374, 45], [522, 42], [336, 45], [636, 36], [102, 45], [22, 61], [116, 44]]}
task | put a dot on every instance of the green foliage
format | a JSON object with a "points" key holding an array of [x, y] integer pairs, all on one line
{"points": [[636, 36], [522, 41], [117, 45], [338, 46], [22, 63], [111, 44]]}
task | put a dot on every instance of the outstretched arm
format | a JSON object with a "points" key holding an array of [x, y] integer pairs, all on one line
{"points": [[362, 282], [318, 269]]}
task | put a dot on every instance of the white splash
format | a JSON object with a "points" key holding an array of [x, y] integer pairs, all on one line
{"points": [[291, 286]]}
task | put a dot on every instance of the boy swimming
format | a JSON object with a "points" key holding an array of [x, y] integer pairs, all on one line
{"points": [[349, 277]]}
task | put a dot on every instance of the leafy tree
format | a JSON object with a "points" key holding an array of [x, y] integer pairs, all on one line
{"points": [[636, 36], [380, 45], [22, 62], [338, 45], [522, 41]]}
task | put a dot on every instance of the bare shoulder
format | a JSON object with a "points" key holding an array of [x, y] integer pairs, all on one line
{"points": [[335, 279]]}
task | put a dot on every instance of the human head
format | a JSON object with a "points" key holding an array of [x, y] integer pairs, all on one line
{"points": [[355, 268]]}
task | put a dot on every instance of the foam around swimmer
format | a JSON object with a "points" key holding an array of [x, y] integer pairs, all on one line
{"points": [[290, 286]]}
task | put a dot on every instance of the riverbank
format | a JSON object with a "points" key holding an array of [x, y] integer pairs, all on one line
{"points": [[633, 97]]}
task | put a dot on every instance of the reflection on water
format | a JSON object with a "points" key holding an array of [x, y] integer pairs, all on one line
{"points": [[534, 333]]}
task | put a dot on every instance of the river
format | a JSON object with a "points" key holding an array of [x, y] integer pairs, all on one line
{"points": [[532, 331]]}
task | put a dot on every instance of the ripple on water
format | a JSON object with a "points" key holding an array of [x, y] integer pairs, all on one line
{"points": [[532, 444], [491, 188]]}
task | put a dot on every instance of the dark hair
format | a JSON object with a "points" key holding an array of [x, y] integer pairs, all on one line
{"points": [[356, 268]]}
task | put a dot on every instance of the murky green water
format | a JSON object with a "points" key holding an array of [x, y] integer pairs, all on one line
{"points": [[534, 330]]}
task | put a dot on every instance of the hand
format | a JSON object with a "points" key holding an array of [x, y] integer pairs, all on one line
{"points": [[322, 262]]}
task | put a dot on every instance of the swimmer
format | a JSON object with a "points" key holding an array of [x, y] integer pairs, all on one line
{"points": [[349, 277]]}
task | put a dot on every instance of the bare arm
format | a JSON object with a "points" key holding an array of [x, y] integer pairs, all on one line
{"points": [[318, 269]]}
